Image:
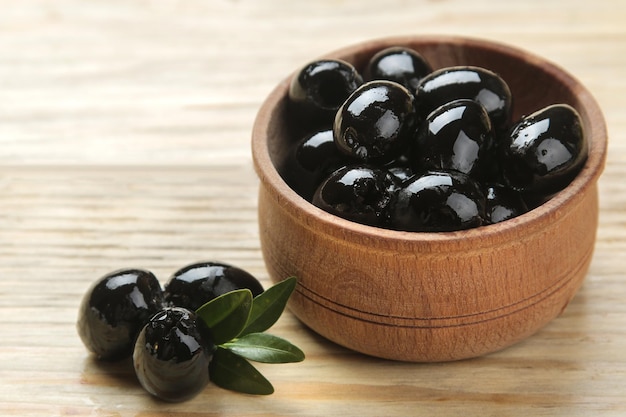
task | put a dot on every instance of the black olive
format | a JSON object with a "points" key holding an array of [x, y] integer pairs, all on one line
{"points": [[400, 64], [456, 136], [544, 151], [310, 161], [503, 203], [359, 193], [115, 309], [320, 87], [198, 283], [439, 201], [468, 82], [172, 355], [375, 124]]}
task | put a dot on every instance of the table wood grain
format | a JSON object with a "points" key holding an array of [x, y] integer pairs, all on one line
{"points": [[124, 141]]}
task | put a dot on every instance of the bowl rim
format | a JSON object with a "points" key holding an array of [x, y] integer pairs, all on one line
{"points": [[313, 217]]}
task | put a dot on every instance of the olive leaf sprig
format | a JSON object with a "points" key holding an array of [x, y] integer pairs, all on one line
{"points": [[237, 322]]}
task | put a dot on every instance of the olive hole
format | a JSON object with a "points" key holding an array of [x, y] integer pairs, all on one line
{"points": [[332, 91]]}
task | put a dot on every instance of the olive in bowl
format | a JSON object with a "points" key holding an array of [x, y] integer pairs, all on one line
{"points": [[433, 296]]}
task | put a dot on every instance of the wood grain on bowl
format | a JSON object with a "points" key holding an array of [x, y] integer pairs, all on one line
{"points": [[433, 296]]}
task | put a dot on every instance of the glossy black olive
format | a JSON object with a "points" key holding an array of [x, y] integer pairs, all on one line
{"points": [[375, 124], [359, 193], [544, 151], [172, 355], [115, 309], [503, 203], [468, 82], [198, 283], [311, 160], [400, 64], [439, 201], [457, 136], [321, 86]]}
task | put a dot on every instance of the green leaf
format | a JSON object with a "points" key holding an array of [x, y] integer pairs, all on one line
{"points": [[263, 347], [230, 371], [268, 306], [227, 315]]}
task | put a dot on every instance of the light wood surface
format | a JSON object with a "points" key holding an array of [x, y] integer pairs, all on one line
{"points": [[125, 141]]}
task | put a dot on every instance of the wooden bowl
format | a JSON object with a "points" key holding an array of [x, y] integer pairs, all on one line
{"points": [[426, 297]]}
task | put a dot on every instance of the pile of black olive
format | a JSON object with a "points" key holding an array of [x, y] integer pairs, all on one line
{"points": [[400, 146], [127, 313]]}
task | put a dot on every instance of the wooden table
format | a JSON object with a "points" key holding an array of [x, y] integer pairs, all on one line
{"points": [[124, 141]]}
